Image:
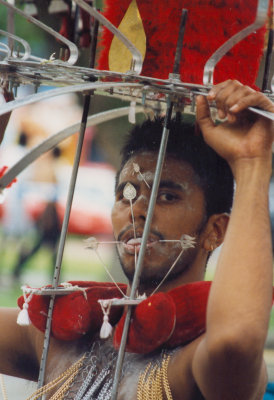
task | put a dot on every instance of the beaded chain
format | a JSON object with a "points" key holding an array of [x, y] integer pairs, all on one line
{"points": [[91, 377], [95, 377], [153, 382]]}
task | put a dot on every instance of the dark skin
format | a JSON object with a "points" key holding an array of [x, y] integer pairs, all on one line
{"points": [[227, 361], [180, 209]]}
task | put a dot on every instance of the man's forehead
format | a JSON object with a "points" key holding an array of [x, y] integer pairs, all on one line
{"points": [[145, 162]]}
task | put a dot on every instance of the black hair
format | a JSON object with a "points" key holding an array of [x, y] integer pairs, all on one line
{"points": [[213, 172]]}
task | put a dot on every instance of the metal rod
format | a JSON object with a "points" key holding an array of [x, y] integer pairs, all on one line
{"points": [[62, 240], [179, 47], [33, 98], [261, 15], [268, 57], [73, 57], [10, 26], [266, 114], [25, 44], [139, 266], [94, 38]]}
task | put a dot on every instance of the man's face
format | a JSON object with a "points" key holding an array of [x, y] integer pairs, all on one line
{"points": [[179, 209]]}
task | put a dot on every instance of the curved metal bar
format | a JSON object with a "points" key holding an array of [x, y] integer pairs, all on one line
{"points": [[136, 55], [31, 56], [260, 19], [20, 40], [12, 105], [58, 137], [73, 57], [5, 49]]}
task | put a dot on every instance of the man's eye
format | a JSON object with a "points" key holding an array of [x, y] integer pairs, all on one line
{"points": [[119, 196], [167, 197]]}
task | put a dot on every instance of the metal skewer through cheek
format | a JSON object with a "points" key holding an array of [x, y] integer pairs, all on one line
{"points": [[139, 266]]}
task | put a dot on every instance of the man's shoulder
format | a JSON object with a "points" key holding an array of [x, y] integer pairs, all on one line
{"points": [[182, 379], [180, 373]]}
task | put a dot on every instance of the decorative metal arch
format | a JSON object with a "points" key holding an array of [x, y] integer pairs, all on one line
{"points": [[30, 69]]}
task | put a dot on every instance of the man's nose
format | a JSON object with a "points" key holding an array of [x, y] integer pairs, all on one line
{"points": [[139, 208]]}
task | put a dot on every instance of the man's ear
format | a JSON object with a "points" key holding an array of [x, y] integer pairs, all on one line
{"points": [[214, 231]]}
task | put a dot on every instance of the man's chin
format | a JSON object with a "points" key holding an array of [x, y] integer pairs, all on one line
{"points": [[151, 276]]}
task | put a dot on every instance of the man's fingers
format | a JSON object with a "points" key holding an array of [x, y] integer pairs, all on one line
{"points": [[203, 115], [255, 99]]}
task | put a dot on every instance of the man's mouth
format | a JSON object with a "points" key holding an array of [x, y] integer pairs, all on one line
{"points": [[134, 244], [130, 239]]}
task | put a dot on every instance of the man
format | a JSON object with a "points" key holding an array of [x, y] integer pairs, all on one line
{"points": [[226, 362]]}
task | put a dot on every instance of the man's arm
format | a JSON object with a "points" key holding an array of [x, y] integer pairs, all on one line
{"points": [[19, 347], [229, 360]]}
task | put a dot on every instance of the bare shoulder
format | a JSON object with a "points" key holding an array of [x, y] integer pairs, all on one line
{"points": [[181, 377]]}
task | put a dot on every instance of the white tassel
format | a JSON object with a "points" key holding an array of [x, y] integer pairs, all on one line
{"points": [[23, 316], [106, 328]]}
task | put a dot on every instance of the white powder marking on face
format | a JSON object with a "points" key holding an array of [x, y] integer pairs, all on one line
{"points": [[185, 186], [148, 176], [126, 170]]}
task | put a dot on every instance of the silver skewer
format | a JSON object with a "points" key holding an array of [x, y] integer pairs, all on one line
{"points": [[266, 114]]}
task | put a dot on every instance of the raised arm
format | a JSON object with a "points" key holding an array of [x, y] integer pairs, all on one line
{"points": [[228, 363]]}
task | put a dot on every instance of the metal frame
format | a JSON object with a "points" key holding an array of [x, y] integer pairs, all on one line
{"points": [[143, 89], [25, 44], [260, 19]]}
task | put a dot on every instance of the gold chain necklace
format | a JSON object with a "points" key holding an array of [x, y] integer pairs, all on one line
{"points": [[66, 376], [153, 382]]}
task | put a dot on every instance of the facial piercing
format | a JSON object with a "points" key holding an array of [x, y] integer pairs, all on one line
{"points": [[168, 272], [130, 193], [136, 168], [187, 242], [93, 244]]}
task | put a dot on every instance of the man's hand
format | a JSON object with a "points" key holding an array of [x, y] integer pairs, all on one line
{"points": [[244, 135]]}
